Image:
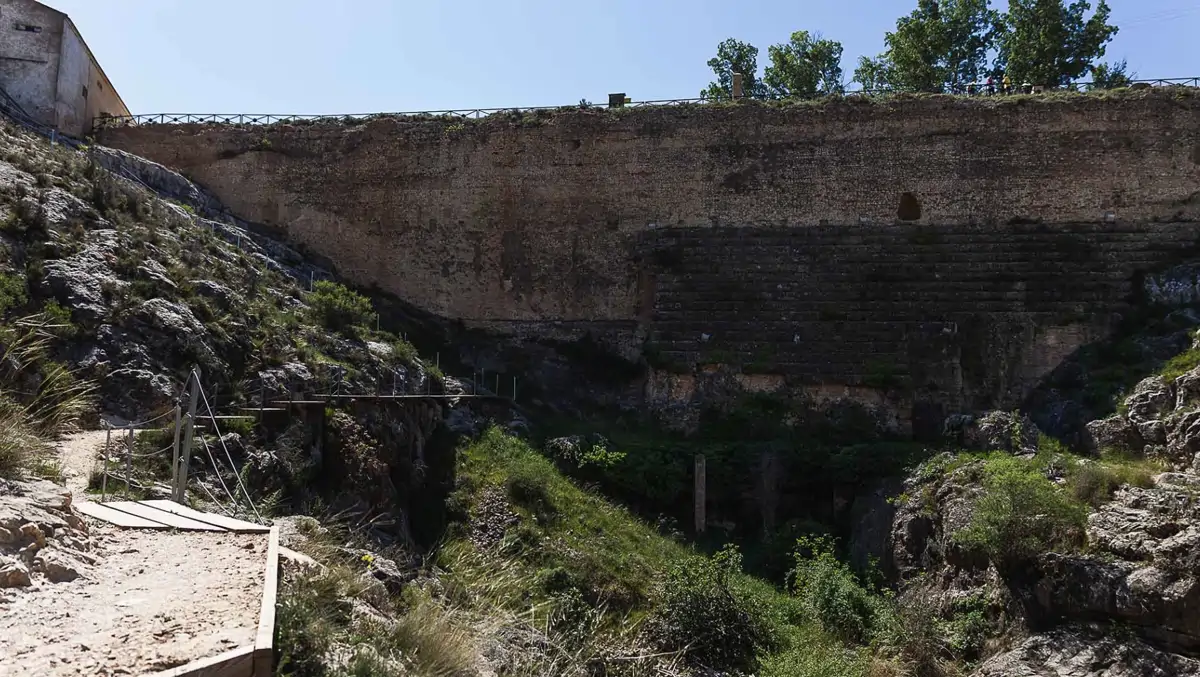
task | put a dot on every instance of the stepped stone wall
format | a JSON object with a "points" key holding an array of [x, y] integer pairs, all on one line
{"points": [[926, 254]]}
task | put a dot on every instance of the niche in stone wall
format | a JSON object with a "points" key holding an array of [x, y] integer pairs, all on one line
{"points": [[910, 208]]}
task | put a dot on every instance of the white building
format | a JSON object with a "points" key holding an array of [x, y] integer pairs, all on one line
{"points": [[47, 68]]}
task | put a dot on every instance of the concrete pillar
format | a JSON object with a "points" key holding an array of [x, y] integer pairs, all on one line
{"points": [[737, 85]]}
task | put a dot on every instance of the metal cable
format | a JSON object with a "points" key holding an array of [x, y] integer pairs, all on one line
{"points": [[232, 466], [217, 471], [214, 499]]}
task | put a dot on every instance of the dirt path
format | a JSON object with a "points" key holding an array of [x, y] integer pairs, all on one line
{"points": [[146, 600], [80, 454], [154, 600]]}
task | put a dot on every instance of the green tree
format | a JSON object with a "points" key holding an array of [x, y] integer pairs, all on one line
{"points": [[1111, 75], [941, 46], [1044, 42], [806, 66], [734, 56], [873, 73]]}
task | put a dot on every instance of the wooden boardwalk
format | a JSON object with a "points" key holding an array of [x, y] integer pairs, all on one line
{"points": [[254, 660], [165, 515]]}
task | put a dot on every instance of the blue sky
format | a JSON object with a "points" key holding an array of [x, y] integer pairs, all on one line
{"points": [[360, 56]]}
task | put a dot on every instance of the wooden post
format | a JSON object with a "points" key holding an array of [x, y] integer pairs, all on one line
{"points": [[129, 463], [189, 431], [104, 478], [175, 452], [701, 519]]}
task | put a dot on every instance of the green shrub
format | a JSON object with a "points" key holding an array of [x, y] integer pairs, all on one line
{"points": [[1094, 482], [13, 293], [1180, 364], [1021, 514], [309, 615], [832, 593], [585, 452], [700, 610], [968, 627], [60, 319], [338, 308], [828, 659]]}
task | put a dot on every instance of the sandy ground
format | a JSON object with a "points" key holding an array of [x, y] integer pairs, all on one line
{"points": [[80, 454], [154, 599]]}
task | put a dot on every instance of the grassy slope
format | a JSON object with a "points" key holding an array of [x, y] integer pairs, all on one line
{"points": [[572, 582], [570, 534]]}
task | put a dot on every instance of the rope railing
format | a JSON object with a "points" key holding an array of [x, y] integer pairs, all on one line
{"points": [[962, 89]]}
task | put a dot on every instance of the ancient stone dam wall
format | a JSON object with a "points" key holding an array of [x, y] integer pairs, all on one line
{"points": [[934, 253]]}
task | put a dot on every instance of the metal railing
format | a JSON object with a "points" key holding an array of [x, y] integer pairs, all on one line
{"points": [[973, 89]]}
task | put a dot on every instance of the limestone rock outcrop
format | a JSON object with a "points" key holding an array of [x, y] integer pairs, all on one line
{"points": [[42, 538]]}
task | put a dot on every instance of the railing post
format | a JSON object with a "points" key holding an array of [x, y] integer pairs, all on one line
{"points": [[188, 433], [175, 451], [104, 477], [129, 464]]}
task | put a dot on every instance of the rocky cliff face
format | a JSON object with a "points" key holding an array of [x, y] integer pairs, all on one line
{"points": [[1115, 593], [144, 277]]}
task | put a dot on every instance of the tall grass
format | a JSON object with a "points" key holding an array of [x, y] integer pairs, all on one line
{"points": [[39, 398]]}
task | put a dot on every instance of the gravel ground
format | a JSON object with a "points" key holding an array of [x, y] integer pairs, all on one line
{"points": [[155, 600]]}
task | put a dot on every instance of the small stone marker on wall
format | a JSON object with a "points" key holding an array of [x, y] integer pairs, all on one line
{"points": [[737, 85], [701, 519]]}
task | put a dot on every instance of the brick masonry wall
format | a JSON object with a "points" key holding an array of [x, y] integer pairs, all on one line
{"points": [[953, 248], [954, 316]]}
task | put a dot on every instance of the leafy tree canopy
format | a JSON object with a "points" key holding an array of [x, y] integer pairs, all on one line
{"points": [[941, 46], [734, 56], [1045, 42], [806, 66]]}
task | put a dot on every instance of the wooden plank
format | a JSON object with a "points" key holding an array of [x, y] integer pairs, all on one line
{"points": [[104, 513], [236, 663], [264, 641], [156, 515], [227, 523]]}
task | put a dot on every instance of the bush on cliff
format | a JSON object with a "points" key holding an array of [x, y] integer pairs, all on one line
{"points": [[700, 610], [1022, 513], [338, 308], [832, 593]]}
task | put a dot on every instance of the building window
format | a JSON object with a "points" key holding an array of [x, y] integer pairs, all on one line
{"points": [[28, 28], [85, 91]]}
